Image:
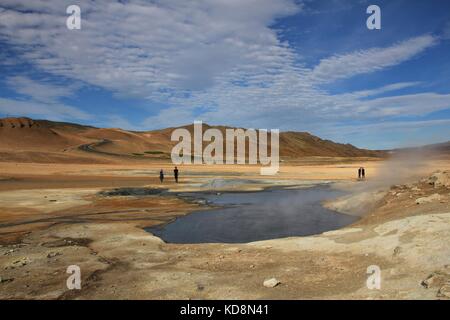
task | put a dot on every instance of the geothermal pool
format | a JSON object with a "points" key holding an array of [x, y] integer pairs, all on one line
{"points": [[251, 216]]}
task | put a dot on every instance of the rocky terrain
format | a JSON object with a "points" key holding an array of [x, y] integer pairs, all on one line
{"points": [[79, 195], [405, 234]]}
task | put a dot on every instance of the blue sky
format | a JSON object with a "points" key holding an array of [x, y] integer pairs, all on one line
{"points": [[275, 64]]}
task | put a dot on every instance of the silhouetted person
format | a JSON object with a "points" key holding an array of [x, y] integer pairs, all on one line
{"points": [[359, 172], [175, 173], [161, 176], [363, 173]]}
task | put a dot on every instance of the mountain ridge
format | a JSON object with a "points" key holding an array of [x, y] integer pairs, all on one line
{"points": [[25, 135]]}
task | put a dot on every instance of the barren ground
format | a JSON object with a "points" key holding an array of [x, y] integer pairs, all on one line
{"points": [[53, 216]]}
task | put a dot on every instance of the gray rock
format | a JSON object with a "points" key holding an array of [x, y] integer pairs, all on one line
{"points": [[271, 283], [433, 197]]}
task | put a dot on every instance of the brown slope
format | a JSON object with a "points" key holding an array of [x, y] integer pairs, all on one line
{"points": [[25, 134], [302, 144], [47, 141], [292, 144]]}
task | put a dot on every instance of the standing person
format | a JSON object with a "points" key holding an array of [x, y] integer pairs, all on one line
{"points": [[359, 173], [175, 173], [363, 173], [161, 176]]}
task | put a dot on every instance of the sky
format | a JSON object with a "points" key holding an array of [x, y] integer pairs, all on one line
{"points": [[298, 65]]}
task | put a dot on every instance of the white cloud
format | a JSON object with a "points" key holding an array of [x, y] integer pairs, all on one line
{"points": [[366, 61], [388, 125], [42, 99], [384, 89], [216, 61], [391, 134], [412, 104], [41, 91], [55, 112], [149, 49]]}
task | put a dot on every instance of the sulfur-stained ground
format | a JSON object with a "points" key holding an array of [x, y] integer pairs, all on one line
{"points": [[56, 217]]}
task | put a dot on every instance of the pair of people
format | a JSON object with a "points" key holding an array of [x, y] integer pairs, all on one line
{"points": [[361, 173], [175, 174]]}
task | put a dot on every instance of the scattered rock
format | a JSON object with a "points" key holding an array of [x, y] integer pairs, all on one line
{"points": [[416, 189], [21, 262], [4, 280], [434, 280], [433, 197], [440, 179], [18, 263], [271, 283], [7, 253], [131, 192], [252, 266], [67, 242], [397, 251], [53, 254], [444, 291]]}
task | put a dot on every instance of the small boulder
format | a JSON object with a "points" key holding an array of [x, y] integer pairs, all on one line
{"points": [[444, 291], [433, 197], [4, 280], [53, 254], [21, 262], [434, 280], [271, 283], [440, 179]]}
